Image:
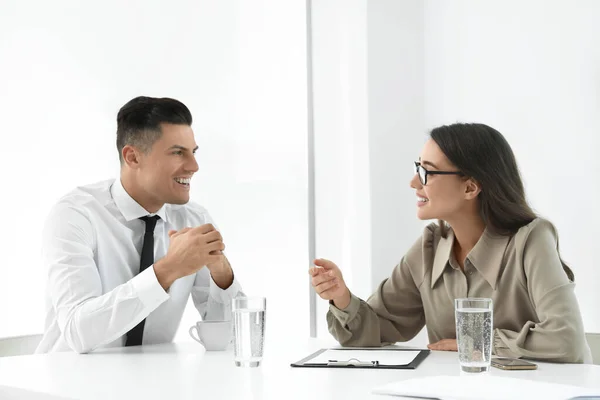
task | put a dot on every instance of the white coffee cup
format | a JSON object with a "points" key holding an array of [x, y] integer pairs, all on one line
{"points": [[213, 335]]}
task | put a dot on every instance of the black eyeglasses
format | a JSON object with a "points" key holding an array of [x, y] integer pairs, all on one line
{"points": [[422, 172]]}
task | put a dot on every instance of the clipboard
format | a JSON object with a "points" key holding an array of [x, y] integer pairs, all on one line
{"points": [[369, 359]]}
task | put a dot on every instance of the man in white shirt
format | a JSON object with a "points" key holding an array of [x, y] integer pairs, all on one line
{"points": [[123, 256]]}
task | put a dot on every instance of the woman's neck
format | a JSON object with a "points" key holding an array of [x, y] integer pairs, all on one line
{"points": [[468, 229]]}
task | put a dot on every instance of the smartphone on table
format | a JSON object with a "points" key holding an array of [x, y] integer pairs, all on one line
{"points": [[512, 364]]}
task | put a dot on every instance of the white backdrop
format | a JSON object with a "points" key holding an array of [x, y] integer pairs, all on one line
{"points": [[369, 127], [342, 193], [66, 68]]}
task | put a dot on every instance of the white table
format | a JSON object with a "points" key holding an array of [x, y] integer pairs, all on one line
{"points": [[186, 371]]}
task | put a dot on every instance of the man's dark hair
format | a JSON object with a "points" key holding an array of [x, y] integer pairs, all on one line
{"points": [[138, 121]]}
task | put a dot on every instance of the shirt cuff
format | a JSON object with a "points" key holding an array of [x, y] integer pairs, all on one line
{"points": [[146, 286], [499, 348], [349, 313], [224, 296]]}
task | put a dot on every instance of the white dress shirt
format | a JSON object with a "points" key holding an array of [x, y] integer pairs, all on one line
{"points": [[92, 241]]}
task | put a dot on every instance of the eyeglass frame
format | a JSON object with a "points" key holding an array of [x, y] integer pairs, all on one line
{"points": [[427, 172]]}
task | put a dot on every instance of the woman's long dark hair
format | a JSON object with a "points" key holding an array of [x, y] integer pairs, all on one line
{"points": [[482, 153]]}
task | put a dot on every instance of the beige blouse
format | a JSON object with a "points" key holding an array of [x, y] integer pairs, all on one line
{"points": [[536, 314]]}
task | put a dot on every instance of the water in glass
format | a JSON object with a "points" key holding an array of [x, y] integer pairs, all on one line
{"points": [[474, 320], [249, 334]]}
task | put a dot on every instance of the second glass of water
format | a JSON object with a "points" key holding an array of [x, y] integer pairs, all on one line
{"points": [[248, 330], [474, 330]]}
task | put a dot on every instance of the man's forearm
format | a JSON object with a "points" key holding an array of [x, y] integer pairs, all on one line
{"points": [[165, 273], [223, 274], [114, 311]]}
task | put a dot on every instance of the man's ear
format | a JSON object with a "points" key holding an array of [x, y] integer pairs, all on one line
{"points": [[131, 156], [472, 189]]}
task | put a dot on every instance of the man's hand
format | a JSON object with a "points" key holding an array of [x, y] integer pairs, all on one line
{"points": [[444, 345], [190, 249], [221, 271]]}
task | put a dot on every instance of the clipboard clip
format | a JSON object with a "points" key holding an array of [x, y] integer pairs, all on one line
{"points": [[352, 362]]}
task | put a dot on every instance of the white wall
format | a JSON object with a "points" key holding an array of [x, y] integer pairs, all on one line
{"points": [[342, 197], [396, 127], [369, 127], [65, 69], [530, 70]]}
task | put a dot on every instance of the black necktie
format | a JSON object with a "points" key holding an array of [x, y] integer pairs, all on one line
{"points": [[134, 336]]}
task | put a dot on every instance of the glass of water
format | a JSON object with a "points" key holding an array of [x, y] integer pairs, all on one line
{"points": [[474, 330], [248, 330]]}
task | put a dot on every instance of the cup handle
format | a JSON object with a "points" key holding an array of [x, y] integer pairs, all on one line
{"points": [[193, 329]]}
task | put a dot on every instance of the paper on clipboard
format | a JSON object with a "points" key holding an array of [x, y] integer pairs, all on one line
{"points": [[384, 357]]}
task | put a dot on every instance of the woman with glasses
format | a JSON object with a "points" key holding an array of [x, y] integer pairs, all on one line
{"points": [[487, 243]]}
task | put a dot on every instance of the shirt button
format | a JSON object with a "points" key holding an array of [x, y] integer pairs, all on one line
{"points": [[470, 272]]}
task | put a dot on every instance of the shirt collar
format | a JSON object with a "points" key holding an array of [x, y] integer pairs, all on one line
{"points": [[486, 256], [130, 208], [442, 255]]}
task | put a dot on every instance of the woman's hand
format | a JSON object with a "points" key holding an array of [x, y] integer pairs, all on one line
{"points": [[444, 345], [327, 280]]}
